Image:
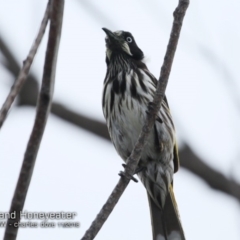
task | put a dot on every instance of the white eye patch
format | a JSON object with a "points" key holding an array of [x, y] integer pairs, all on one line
{"points": [[126, 48]]}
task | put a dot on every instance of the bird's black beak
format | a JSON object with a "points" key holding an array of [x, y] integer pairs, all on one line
{"points": [[111, 36]]}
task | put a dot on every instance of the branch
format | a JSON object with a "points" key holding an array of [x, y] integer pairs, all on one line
{"points": [[133, 159], [42, 112], [25, 69]]}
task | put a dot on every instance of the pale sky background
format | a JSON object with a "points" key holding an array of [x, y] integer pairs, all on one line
{"points": [[76, 171]]}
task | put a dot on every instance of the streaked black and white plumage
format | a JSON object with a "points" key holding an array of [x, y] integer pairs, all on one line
{"points": [[128, 89]]}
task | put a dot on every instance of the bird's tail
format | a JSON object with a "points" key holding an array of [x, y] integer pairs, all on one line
{"points": [[166, 224]]}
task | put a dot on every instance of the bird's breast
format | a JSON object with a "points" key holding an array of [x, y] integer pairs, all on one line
{"points": [[125, 100]]}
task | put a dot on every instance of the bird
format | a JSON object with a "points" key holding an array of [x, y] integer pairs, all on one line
{"points": [[128, 90]]}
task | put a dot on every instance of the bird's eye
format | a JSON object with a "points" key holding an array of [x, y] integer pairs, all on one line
{"points": [[129, 39]]}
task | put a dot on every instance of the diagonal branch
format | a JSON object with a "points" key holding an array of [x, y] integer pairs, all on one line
{"points": [[42, 112], [132, 161], [25, 69]]}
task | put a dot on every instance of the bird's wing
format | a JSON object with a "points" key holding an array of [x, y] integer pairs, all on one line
{"points": [[175, 149]]}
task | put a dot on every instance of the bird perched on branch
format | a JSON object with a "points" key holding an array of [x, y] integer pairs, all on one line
{"points": [[128, 89]]}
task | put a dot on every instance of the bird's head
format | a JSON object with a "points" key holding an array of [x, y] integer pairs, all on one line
{"points": [[121, 42]]}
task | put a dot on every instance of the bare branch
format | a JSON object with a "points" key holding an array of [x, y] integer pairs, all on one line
{"points": [[25, 69], [42, 112], [132, 161]]}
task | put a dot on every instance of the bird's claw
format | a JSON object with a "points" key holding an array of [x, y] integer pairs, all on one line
{"points": [[122, 174], [139, 169]]}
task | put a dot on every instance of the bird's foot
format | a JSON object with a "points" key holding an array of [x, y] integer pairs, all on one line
{"points": [[122, 174], [138, 170]]}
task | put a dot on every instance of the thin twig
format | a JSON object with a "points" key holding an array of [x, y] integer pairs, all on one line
{"points": [[42, 112], [25, 69], [132, 161]]}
